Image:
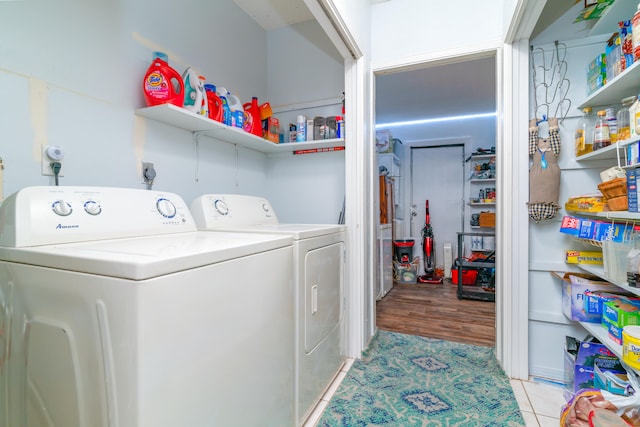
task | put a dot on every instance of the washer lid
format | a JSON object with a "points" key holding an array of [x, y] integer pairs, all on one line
{"points": [[297, 231], [146, 257]]}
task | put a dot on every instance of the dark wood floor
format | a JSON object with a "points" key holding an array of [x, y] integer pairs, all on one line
{"points": [[435, 311]]}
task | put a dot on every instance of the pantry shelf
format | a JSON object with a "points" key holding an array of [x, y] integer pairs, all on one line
{"points": [[624, 216], [184, 119], [606, 153], [602, 335], [622, 86], [598, 270]]}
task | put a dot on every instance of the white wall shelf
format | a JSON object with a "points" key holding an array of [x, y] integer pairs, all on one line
{"points": [[481, 180], [184, 119], [481, 204], [612, 215], [606, 153], [602, 335], [608, 22], [622, 86]]}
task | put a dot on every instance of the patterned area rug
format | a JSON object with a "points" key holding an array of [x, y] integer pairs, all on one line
{"points": [[405, 380]]}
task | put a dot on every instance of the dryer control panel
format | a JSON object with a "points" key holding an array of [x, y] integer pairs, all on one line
{"points": [[214, 211], [37, 216]]}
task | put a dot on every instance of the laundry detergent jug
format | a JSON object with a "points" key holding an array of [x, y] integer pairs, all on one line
{"points": [[162, 84], [193, 91], [227, 113], [216, 109], [252, 121]]}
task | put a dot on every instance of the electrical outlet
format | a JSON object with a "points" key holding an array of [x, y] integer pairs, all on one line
{"points": [[148, 173], [51, 153]]}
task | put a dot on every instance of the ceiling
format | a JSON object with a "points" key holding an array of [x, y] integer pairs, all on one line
{"points": [[460, 88]]}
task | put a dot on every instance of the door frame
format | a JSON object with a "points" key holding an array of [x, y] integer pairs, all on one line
{"points": [[511, 318]]}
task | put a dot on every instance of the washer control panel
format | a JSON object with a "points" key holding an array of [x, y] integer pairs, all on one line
{"points": [[214, 211], [49, 215]]}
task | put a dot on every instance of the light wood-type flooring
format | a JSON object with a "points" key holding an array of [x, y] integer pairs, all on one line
{"points": [[435, 311]]}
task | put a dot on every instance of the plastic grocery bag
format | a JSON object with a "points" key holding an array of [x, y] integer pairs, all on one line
{"points": [[577, 411]]}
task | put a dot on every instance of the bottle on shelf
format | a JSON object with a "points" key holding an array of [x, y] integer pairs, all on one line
{"points": [[624, 119], [601, 138], [584, 132], [613, 124]]}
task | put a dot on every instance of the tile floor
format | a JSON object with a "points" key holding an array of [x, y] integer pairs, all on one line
{"points": [[539, 401]]}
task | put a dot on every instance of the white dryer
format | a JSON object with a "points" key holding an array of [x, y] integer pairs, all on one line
{"points": [[319, 257], [115, 311]]}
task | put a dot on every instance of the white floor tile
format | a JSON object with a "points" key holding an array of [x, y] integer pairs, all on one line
{"points": [[530, 419], [316, 414], [548, 421], [545, 398], [521, 396]]}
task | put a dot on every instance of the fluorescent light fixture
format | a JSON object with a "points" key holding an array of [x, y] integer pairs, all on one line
{"points": [[436, 120]]}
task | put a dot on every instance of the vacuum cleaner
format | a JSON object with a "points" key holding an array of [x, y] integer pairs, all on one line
{"points": [[428, 252]]}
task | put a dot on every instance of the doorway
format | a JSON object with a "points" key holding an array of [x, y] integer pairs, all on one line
{"points": [[438, 84]]}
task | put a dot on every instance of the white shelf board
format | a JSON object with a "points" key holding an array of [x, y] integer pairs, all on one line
{"points": [[185, 119], [480, 180], [619, 10], [612, 215], [482, 156], [609, 152], [602, 335], [622, 86], [481, 204], [598, 270]]}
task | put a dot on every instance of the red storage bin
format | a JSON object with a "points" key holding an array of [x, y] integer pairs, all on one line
{"points": [[468, 276]]}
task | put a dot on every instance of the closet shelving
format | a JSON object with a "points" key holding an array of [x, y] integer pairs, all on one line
{"points": [[185, 119], [622, 86], [476, 182]]}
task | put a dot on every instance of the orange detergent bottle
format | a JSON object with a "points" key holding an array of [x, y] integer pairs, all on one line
{"points": [[162, 84]]}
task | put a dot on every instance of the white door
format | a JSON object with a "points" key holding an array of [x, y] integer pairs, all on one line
{"points": [[437, 175]]}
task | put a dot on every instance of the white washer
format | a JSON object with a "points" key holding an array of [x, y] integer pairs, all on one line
{"points": [[319, 256], [115, 311]]}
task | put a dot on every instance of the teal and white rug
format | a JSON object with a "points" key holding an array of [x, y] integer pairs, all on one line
{"points": [[405, 380]]}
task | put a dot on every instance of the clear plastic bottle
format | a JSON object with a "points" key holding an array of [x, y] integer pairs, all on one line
{"points": [[624, 119], [584, 132], [601, 137]]}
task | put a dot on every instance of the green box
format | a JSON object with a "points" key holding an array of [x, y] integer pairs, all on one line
{"points": [[621, 312]]}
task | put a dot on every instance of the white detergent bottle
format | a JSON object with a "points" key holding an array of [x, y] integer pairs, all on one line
{"points": [[193, 90]]}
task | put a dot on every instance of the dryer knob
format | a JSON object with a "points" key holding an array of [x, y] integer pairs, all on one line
{"points": [[62, 208], [92, 207], [265, 207], [166, 208], [221, 207]]}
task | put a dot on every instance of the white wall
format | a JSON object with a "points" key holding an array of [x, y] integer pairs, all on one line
{"points": [[309, 187], [72, 74], [403, 31]]}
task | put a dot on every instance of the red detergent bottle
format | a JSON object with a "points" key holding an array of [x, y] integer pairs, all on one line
{"points": [[253, 123], [216, 109], [162, 84]]}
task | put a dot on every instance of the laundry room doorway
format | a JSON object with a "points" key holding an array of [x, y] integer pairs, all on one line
{"points": [[437, 175]]}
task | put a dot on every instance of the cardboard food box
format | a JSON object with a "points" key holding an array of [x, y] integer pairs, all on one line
{"points": [[574, 302], [487, 219], [580, 360]]}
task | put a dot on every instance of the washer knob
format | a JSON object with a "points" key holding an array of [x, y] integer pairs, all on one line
{"points": [[62, 208], [166, 208], [265, 207], [92, 207], [221, 207]]}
